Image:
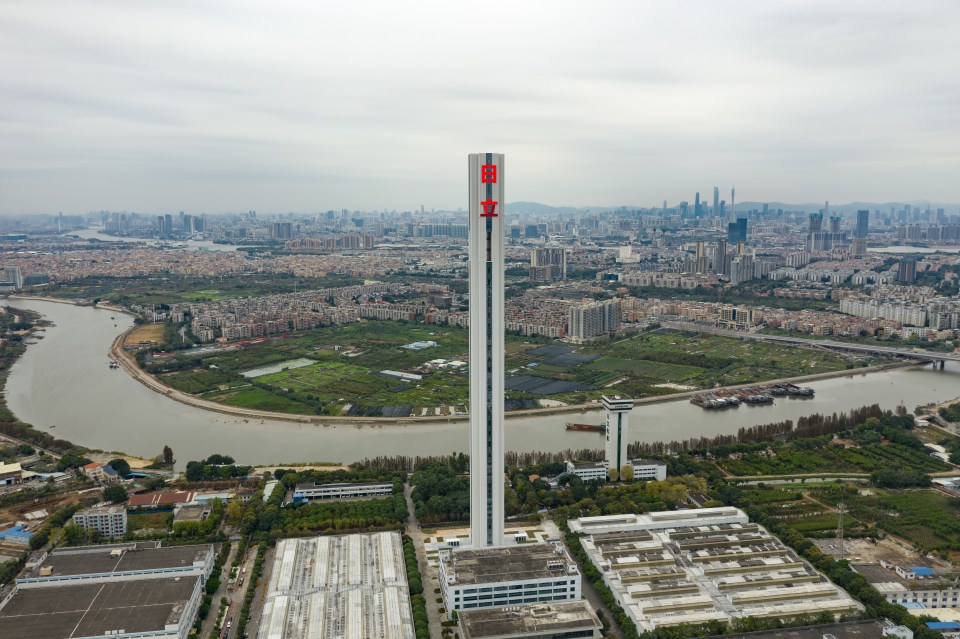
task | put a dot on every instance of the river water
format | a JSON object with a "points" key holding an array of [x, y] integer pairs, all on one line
{"points": [[193, 245], [63, 381]]}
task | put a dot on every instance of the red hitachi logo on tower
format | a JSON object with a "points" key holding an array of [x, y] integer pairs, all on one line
{"points": [[488, 174]]}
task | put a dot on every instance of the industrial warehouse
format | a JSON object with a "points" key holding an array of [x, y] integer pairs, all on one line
{"points": [[345, 587], [123, 590], [696, 566]]}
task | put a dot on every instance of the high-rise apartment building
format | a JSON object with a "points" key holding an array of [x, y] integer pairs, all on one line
{"points": [[593, 319], [548, 264], [281, 230], [486, 243], [907, 272]]}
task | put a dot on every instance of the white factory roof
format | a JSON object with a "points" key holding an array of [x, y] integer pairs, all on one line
{"points": [[659, 520], [342, 587], [711, 564]]}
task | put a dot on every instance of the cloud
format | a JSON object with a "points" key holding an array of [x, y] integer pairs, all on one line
{"points": [[220, 106]]}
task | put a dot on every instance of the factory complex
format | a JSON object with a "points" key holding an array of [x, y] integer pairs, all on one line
{"points": [[343, 587], [116, 591], [696, 566]]}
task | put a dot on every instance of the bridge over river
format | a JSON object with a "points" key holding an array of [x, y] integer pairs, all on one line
{"points": [[867, 349]]}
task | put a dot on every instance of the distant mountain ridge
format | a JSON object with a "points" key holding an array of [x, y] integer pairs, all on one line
{"points": [[743, 207]]}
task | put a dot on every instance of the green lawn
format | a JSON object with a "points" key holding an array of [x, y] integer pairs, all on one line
{"points": [[140, 521], [261, 399]]}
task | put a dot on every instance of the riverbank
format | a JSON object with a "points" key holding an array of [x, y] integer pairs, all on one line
{"points": [[62, 386], [56, 300], [129, 364]]}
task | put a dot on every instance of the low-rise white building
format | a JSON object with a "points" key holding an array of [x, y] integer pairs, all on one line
{"points": [[312, 491], [508, 576], [648, 470], [588, 470], [911, 586]]}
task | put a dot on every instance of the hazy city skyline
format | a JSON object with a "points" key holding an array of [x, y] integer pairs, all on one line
{"points": [[234, 106]]}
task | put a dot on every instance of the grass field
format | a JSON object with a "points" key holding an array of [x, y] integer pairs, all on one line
{"points": [[145, 333], [141, 521], [349, 359]]}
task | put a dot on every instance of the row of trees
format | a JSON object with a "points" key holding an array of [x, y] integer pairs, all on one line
{"points": [[418, 604], [215, 467], [339, 516]]}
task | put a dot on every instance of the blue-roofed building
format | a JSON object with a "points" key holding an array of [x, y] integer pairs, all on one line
{"points": [[922, 571], [16, 535], [949, 629]]}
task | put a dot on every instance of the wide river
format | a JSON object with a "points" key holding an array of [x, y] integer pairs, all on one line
{"points": [[63, 381]]}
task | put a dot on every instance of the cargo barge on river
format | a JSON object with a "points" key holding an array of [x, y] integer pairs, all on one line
{"points": [[597, 428], [755, 395]]}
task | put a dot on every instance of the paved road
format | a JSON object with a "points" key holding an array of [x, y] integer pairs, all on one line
{"points": [[428, 575], [590, 594]]}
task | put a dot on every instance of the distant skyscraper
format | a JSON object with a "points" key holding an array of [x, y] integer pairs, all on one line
{"points": [[816, 222], [860, 233], [737, 231], [863, 224], [834, 224], [733, 200], [716, 201], [696, 205], [732, 233], [486, 348]]}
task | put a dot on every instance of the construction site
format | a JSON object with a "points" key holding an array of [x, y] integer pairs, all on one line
{"points": [[344, 587], [676, 568]]}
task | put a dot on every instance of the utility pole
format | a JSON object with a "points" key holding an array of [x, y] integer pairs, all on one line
{"points": [[841, 510]]}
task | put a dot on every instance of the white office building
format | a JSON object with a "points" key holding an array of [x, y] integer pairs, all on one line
{"points": [[494, 577]]}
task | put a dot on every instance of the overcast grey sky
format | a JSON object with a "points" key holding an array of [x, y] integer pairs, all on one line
{"points": [[316, 105]]}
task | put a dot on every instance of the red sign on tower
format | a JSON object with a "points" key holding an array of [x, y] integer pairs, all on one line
{"points": [[488, 174]]}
